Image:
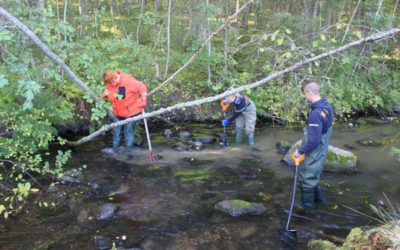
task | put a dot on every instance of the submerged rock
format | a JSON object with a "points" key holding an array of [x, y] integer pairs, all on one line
{"points": [[283, 146], [102, 242], [205, 139], [179, 146], [238, 208], [72, 176], [321, 245], [105, 211], [168, 133], [369, 142], [338, 160], [196, 145], [184, 135]]}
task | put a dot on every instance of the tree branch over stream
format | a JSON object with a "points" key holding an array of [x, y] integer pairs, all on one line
{"points": [[191, 59], [375, 37]]}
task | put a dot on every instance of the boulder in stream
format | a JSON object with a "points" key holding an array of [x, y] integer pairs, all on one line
{"points": [[72, 176], [238, 208], [338, 160], [105, 211]]}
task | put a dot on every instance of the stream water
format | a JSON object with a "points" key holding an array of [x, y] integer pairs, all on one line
{"points": [[170, 205]]}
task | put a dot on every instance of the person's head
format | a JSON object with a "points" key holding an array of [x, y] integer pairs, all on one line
{"points": [[311, 92], [111, 77], [229, 99]]}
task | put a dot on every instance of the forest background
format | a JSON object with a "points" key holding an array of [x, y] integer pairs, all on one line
{"points": [[153, 39]]}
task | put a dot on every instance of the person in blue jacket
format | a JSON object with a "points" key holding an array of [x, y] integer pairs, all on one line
{"points": [[244, 116], [314, 146]]}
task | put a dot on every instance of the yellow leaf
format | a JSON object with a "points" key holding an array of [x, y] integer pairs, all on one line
{"points": [[288, 31], [358, 34], [323, 37]]}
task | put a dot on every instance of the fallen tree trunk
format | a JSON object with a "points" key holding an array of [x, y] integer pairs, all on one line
{"points": [[376, 37]]}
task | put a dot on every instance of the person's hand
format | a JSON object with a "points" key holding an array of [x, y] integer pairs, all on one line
{"points": [[105, 93], [224, 122], [297, 157], [143, 103]]}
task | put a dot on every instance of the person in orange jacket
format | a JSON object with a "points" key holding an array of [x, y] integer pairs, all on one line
{"points": [[128, 98]]}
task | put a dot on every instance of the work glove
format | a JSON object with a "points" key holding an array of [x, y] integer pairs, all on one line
{"points": [[224, 122], [297, 157]]}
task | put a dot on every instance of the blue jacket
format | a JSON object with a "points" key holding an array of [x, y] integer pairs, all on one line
{"points": [[240, 104], [319, 120]]}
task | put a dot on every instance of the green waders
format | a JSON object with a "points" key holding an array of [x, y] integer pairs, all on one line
{"points": [[310, 172], [246, 121]]}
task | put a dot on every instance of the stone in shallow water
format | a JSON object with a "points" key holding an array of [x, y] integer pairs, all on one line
{"points": [[338, 160], [238, 208], [105, 211], [102, 242]]}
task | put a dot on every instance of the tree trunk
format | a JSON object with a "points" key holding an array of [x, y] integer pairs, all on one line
{"points": [[245, 17], [208, 30], [315, 9], [157, 4], [328, 14], [142, 11], [112, 12], [82, 12], [168, 39], [351, 20], [58, 20], [65, 17], [305, 8]]}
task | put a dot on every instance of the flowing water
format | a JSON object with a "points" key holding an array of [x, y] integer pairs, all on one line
{"points": [[170, 205]]}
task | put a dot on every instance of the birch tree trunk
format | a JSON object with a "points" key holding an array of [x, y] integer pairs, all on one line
{"points": [[82, 12], [315, 9], [142, 11], [65, 17], [207, 31], [168, 39], [351, 20]]}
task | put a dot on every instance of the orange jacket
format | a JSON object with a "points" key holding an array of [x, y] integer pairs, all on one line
{"points": [[127, 97]]}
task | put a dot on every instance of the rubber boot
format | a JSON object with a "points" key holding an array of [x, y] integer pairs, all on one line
{"points": [[252, 144], [239, 137], [307, 199], [319, 196], [128, 153]]}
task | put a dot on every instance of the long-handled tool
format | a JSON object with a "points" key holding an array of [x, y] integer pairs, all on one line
{"points": [[151, 157], [287, 234], [224, 107]]}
